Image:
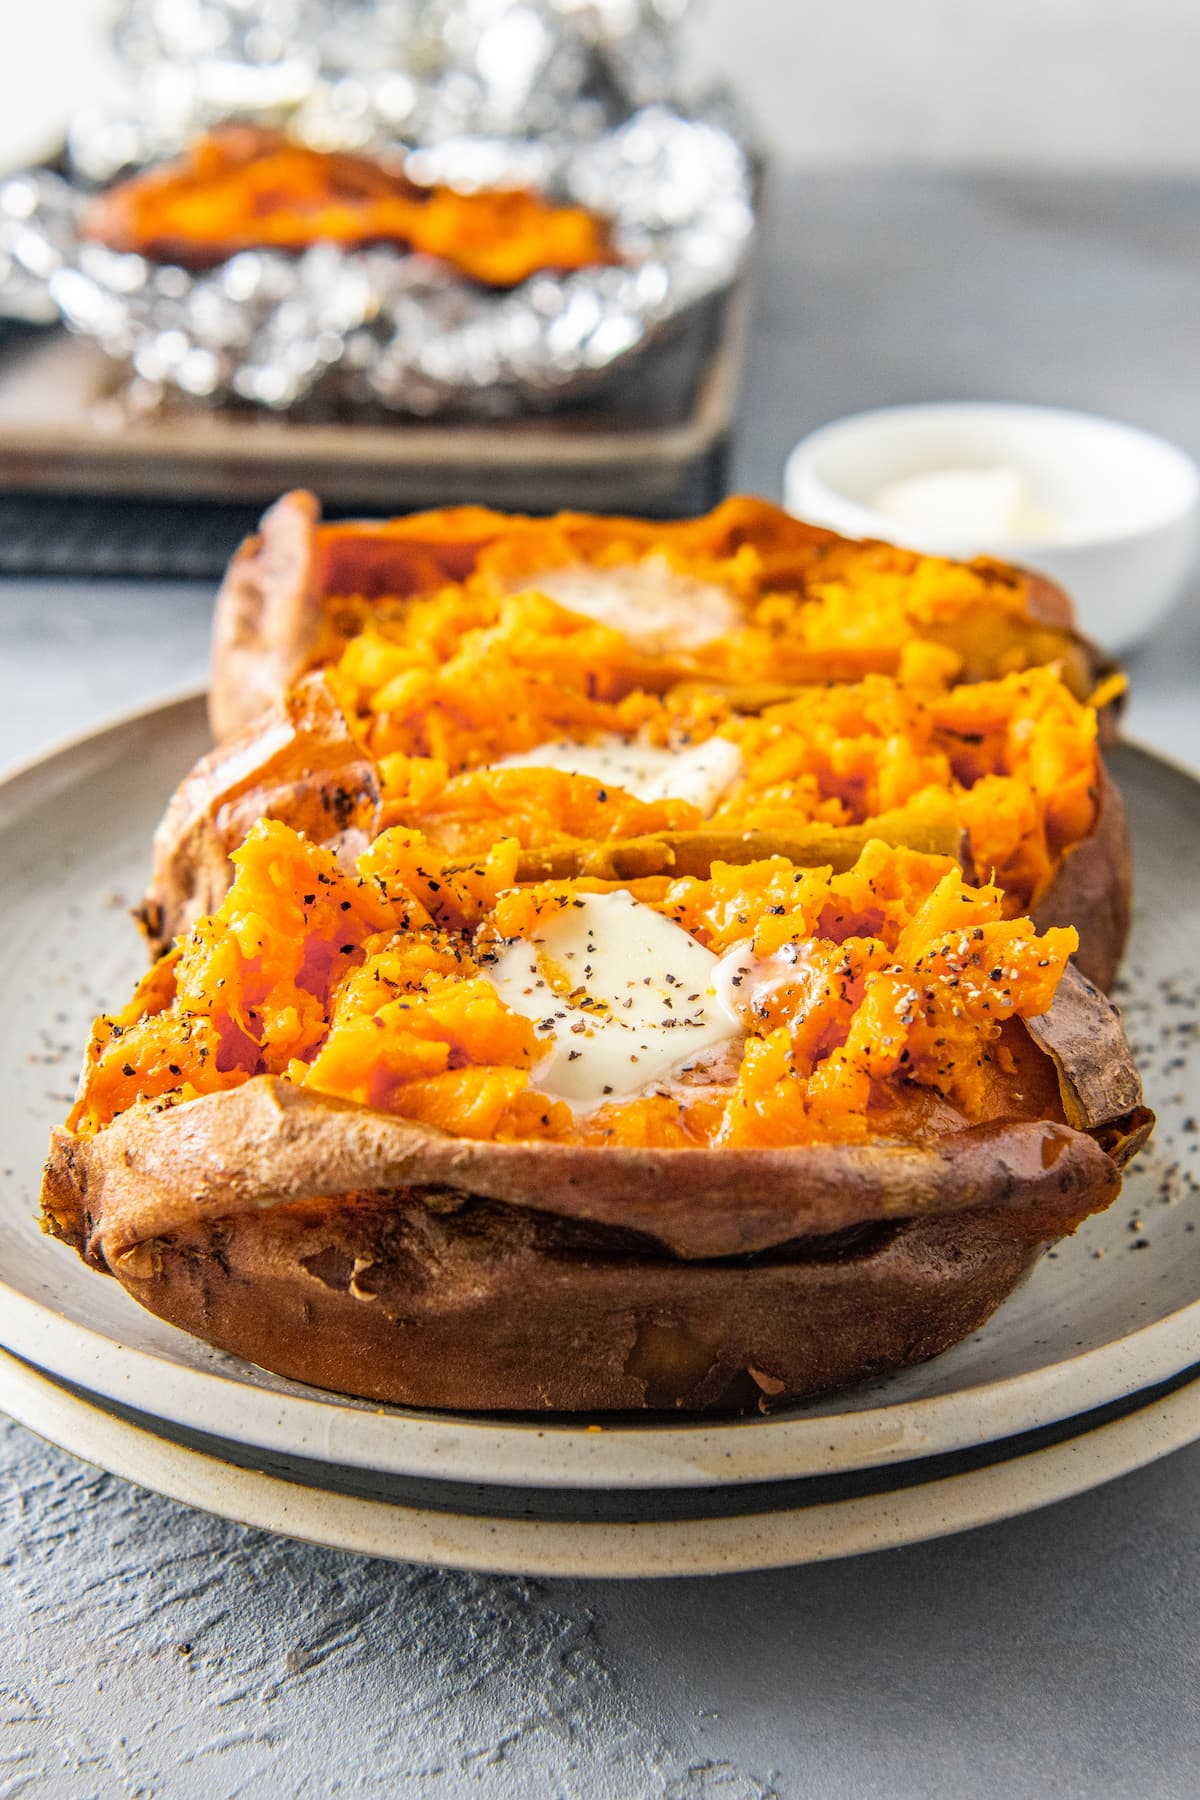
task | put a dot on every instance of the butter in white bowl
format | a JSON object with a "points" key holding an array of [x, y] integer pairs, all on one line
{"points": [[1107, 510], [994, 505]]}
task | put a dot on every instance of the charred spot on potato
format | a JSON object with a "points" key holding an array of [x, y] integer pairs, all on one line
{"points": [[332, 1266]]}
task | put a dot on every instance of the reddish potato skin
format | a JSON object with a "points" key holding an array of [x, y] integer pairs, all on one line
{"points": [[441, 1300], [268, 615], [296, 762], [366, 1253], [568, 1331], [1092, 889]]}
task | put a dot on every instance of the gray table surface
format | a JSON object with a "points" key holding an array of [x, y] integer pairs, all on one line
{"points": [[146, 1649]]}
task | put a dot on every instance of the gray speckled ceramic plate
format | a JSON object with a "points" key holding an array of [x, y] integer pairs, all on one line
{"points": [[1113, 1311], [636, 1534]]}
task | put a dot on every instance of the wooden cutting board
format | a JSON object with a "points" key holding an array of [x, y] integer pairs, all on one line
{"points": [[653, 441]]}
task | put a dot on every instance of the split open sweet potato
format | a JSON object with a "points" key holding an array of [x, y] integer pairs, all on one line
{"points": [[243, 187], [804, 604], [394, 674], [316, 1136], [382, 1116]]}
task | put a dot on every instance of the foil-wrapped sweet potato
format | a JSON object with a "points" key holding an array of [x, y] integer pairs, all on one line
{"points": [[243, 187]]}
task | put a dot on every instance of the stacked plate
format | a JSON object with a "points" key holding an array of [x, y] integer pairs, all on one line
{"points": [[1092, 1369]]}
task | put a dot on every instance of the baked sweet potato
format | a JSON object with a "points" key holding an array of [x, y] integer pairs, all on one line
{"points": [[1009, 769], [325, 1134], [244, 187], [805, 604], [299, 762], [431, 648]]}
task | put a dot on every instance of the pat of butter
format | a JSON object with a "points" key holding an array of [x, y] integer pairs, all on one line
{"points": [[621, 994], [746, 984], [701, 773], [656, 607], [985, 505]]}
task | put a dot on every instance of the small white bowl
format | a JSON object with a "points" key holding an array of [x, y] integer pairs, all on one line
{"points": [[1126, 503]]}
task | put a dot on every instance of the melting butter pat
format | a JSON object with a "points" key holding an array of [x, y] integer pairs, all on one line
{"points": [[701, 773], [659, 609], [987, 506], [622, 996]]}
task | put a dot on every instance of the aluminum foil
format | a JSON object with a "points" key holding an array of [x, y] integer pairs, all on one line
{"points": [[37, 217], [350, 73], [571, 97], [406, 332]]}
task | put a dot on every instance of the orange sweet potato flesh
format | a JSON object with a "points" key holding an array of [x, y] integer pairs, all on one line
{"points": [[372, 984], [376, 1256], [293, 593], [320, 1144], [1006, 775], [245, 188], [422, 1226], [305, 595]]}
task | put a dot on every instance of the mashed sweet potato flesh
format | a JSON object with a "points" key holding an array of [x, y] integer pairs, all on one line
{"points": [[808, 606], [244, 188], [373, 986], [1014, 763], [863, 685]]}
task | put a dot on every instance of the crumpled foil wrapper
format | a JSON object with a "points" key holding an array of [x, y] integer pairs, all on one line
{"points": [[345, 74], [403, 331], [37, 217], [571, 97]]}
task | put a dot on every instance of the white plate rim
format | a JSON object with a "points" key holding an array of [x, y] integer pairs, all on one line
{"points": [[726, 1545], [391, 1440], [456, 1446]]}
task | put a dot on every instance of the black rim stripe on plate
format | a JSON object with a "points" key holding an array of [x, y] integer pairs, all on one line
{"points": [[615, 1506]]}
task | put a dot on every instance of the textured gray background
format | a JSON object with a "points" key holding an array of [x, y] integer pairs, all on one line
{"points": [[146, 1650], [1001, 84], [154, 1651]]}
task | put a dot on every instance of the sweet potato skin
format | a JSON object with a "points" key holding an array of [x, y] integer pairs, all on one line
{"points": [[267, 616], [393, 1303], [368, 1253], [432, 1297], [1092, 889], [269, 1144], [297, 762]]}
